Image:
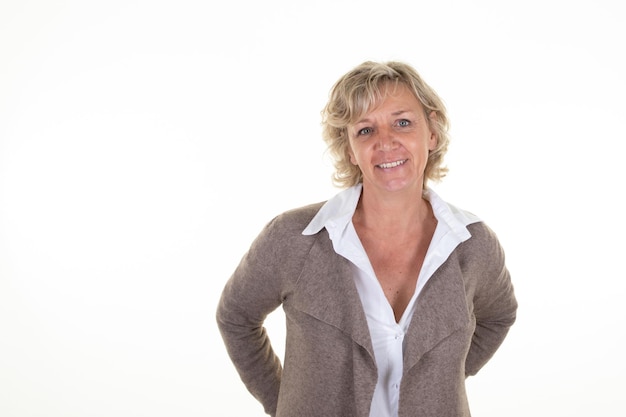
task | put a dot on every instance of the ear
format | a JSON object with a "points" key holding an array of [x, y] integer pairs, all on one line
{"points": [[350, 153], [434, 139], [352, 158]]}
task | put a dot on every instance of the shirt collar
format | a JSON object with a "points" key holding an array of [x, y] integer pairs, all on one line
{"points": [[337, 212], [456, 219]]}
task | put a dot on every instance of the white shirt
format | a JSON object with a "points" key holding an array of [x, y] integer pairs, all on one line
{"points": [[387, 336]]}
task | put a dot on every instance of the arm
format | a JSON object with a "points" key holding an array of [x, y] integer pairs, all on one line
{"points": [[495, 305], [252, 292]]}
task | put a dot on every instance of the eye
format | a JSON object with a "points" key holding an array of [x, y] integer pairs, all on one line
{"points": [[364, 131], [404, 123]]}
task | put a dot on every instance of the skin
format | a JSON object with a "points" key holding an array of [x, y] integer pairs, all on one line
{"points": [[390, 145]]}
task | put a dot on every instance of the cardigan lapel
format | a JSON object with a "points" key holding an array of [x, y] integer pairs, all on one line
{"points": [[441, 310], [326, 290]]}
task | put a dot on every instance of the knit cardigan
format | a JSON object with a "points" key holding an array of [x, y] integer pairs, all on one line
{"points": [[462, 316]]}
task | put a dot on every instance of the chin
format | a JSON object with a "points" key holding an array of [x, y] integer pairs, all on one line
{"points": [[399, 186]]}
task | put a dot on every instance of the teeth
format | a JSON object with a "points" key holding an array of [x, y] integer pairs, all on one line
{"points": [[392, 164]]}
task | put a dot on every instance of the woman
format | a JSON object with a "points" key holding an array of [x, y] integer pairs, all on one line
{"points": [[392, 297]]}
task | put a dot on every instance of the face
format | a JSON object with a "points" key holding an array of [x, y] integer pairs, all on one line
{"points": [[391, 142]]}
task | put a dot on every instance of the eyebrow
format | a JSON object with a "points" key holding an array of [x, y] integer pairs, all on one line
{"points": [[395, 113]]}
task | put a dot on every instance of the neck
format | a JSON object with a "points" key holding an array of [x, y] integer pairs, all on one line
{"points": [[393, 212]]}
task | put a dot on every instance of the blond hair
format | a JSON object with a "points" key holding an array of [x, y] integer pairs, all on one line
{"points": [[356, 93]]}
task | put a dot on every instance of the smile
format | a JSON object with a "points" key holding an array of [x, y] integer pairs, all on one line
{"points": [[391, 164]]}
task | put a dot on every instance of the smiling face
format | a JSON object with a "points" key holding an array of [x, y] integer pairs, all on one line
{"points": [[390, 143]]}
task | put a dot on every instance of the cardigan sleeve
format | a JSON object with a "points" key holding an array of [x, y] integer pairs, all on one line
{"points": [[251, 293], [260, 283], [494, 303]]}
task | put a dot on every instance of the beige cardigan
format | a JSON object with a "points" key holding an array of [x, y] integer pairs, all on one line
{"points": [[461, 318]]}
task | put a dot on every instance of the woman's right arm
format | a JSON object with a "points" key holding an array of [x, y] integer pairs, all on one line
{"points": [[252, 292]]}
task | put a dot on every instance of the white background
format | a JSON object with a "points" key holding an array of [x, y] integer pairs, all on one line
{"points": [[143, 145]]}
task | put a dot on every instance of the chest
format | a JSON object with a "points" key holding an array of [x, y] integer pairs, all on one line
{"points": [[397, 265]]}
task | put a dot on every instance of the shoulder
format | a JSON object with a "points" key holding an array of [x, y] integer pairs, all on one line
{"points": [[482, 248], [284, 232], [297, 218], [481, 232], [280, 248]]}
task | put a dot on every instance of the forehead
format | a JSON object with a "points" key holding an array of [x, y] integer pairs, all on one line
{"points": [[389, 97]]}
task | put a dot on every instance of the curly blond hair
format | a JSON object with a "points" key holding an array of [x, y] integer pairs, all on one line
{"points": [[358, 91]]}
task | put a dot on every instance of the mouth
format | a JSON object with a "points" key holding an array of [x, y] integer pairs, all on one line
{"points": [[393, 164]]}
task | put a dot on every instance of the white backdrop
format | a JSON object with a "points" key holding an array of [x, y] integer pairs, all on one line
{"points": [[143, 145]]}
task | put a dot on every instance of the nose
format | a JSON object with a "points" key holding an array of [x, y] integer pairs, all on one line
{"points": [[386, 140]]}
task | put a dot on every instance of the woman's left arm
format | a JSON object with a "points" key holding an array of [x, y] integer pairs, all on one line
{"points": [[495, 305]]}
